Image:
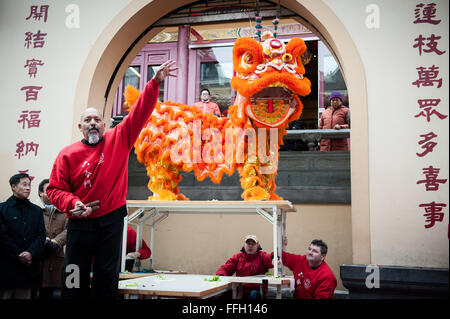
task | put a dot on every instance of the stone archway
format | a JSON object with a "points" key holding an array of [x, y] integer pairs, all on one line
{"points": [[128, 29]]}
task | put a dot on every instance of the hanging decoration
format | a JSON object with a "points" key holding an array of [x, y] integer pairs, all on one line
{"points": [[276, 20], [258, 27], [275, 26]]}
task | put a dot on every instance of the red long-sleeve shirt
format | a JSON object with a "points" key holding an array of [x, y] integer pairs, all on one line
{"points": [[131, 244], [318, 283], [246, 265], [86, 173]]}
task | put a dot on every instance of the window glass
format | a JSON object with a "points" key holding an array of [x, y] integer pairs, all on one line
{"points": [[132, 77], [216, 71], [331, 78], [150, 73], [308, 119]]}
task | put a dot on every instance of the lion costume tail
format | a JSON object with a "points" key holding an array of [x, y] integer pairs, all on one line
{"points": [[180, 137]]}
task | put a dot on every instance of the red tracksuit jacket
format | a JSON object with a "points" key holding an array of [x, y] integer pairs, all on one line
{"points": [[246, 265], [100, 172], [318, 283]]}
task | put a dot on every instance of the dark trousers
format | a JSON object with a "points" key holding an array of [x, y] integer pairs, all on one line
{"points": [[93, 244], [129, 264], [46, 293]]}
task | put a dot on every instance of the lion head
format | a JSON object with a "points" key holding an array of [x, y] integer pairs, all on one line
{"points": [[269, 77]]}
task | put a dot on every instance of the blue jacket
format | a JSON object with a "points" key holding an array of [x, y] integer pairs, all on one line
{"points": [[21, 229]]}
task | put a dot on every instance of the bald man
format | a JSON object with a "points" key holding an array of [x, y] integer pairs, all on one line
{"points": [[96, 168]]}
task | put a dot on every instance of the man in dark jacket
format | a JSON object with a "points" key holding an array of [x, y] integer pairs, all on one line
{"points": [[22, 237]]}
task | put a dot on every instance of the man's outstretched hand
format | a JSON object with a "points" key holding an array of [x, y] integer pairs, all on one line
{"points": [[166, 69]]}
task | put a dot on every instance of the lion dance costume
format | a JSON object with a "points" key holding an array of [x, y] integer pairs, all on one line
{"points": [[269, 77]]}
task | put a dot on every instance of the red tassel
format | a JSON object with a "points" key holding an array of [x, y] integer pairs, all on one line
{"points": [[270, 106]]}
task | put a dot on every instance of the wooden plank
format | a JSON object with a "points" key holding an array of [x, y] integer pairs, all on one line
{"points": [[131, 275], [175, 293], [192, 286]]}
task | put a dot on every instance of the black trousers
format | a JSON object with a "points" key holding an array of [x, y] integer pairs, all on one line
{"points": [[93, 244]]}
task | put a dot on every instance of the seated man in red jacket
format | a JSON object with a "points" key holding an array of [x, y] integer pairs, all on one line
{"points": [[250, 261], [140, 254], [313, 277]]}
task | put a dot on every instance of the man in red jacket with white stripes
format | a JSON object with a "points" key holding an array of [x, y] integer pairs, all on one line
{"points": [[313, 277], [96, 168]]}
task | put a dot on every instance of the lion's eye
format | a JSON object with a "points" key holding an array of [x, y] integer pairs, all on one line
{"points": [[248, 59], [287, 57]]}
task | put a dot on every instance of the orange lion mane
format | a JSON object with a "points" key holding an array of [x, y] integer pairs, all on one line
{"points": [[180, 137]]}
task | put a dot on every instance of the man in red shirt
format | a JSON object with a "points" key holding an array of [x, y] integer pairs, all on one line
{"points": [[313, 277], [96, 168], [336, 116], [250, 261], [205, 105]]}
